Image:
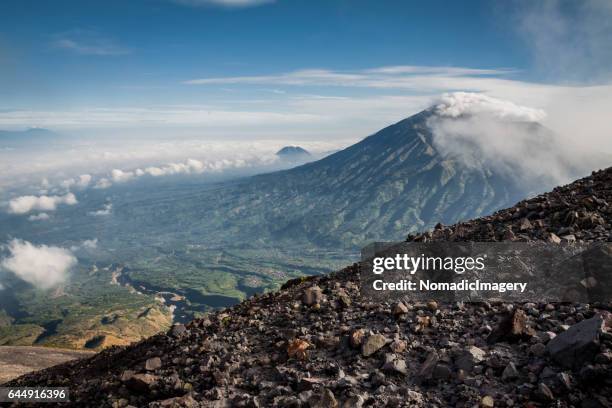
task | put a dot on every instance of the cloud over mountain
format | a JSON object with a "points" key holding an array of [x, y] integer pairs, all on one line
{"points": [[479, 130], [469, 103]]}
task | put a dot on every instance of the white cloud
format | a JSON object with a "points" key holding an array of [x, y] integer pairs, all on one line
{"points": [[412, 77], [468, 103], [88, 244], [41, 265], [26, 204], [120, 176], [87, 42], [81, 181], [103, 183], [224, 3], [204, 116], [38, 217], [107, 209], [190, 166]]}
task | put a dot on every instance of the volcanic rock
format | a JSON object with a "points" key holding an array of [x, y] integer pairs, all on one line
{"points": [[153, 364], [469, 358], [578, 345], [372, 344], [512, 328]]}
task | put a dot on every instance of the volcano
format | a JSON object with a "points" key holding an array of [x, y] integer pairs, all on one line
{"points": [[394, 181]]}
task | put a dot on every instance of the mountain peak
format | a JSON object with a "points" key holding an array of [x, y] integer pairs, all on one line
{"points": [[292, 151]]}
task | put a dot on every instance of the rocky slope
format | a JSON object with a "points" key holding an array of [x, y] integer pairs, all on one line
{"points": [[318, 343]]}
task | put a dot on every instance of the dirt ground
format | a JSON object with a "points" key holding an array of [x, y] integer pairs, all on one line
{"points": [[18, 360]]}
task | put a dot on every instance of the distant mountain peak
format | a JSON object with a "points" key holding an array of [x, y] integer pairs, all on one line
{"points": [[292, 151], [38, 130]]}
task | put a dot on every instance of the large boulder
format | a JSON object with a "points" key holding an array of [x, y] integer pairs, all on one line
{"points": [[577, 345]]}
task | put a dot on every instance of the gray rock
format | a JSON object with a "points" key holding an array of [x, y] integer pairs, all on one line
{"points": [[577, 345], [153, 364], [396, 366], [141, 382], [427, 368], [544, 393], [469, 358], [537, 349], [442, 372], [372, 344], [510, 372]]}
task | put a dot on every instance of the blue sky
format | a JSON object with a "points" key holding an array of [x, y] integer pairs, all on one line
{"points": [[125, 64], [156, 44]]}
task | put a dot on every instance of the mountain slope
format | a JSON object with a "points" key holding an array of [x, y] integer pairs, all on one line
{"points": [[317, 343], [389, 182]]}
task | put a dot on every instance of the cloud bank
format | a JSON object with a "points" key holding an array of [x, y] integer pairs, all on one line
{"points": [[40, 265], [29, 203], [190, 166]]}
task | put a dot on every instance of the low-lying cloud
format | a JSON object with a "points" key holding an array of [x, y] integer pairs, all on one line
{"points": [[88, 244], [29, 203], [190, 166], [107, 209], [81, 181], [40, 265], [39, 217]]}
